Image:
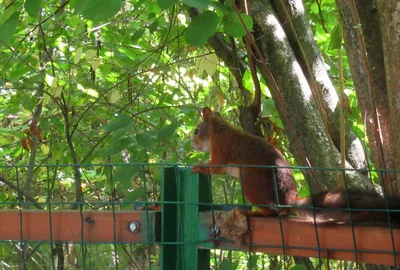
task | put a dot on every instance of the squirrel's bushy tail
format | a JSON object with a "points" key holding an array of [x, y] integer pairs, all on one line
{"points": [[352, 206]]}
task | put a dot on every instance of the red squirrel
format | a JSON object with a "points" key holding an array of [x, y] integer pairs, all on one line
{"points": [[231, 146]]}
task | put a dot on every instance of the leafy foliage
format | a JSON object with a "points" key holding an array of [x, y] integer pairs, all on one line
{"points": [[117, 82]]}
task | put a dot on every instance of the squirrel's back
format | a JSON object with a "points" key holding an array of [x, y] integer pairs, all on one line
{"points": [[244, 148]]}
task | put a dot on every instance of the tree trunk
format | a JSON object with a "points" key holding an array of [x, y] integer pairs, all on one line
{"points": [[366, 59], [390, 14], [298, 30], [309, 140]]}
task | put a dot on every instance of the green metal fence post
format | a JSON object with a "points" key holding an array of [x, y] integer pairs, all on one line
{"points": [[182, 191]]}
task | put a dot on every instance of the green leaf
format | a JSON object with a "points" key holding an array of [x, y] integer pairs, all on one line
{"points": [[120, 122], [201, 28], [138, 35], [134, 195], [299, 267], [120, 133], [124, 174], [227, 265], [252, 262], [32, 7], [268, 107], [146, 140], [90, 92], [153, 27], [168, 130], [118, 146], [18, 72], [7, 30], [336, 37], [8, 12], [3, 197], [233, 26], [220, 6], [97, 10], [166, 4], [197, 3]]}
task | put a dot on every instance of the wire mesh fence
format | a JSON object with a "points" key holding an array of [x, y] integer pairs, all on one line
{"points": [[87, 217], [157, 216]]}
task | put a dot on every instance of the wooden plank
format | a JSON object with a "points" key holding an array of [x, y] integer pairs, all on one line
{"points": [[98, 226], [374, 244]]}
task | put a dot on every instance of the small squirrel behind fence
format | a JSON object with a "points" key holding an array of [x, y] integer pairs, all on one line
{"points": [[230, 146]]}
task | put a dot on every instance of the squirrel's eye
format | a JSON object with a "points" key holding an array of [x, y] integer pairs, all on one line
{"points": [[196, 131]]}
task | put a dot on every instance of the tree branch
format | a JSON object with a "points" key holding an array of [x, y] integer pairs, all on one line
{"points": [[224, 52], [22, 192]]}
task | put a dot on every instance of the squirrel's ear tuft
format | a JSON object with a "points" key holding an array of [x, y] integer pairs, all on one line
{"points": [[207, 113]]}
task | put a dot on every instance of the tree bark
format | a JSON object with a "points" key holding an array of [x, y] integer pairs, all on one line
{"points": [[315, 147], [390, 15], [365, 55], [297, 28]]}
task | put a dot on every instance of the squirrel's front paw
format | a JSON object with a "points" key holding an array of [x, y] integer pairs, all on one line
{"points": [[196, 169], [201, 169]]}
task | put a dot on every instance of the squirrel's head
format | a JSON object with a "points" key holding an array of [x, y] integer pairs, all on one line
{"points": [[201, 134]]}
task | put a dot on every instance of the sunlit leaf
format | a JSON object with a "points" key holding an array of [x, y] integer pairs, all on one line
{"points": [[49, 79], [77, 56], [46, 100], [45, 149], [208, 63], [95, 63], [90, 54], [56, 91], [88, 91], [115, 96]]}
